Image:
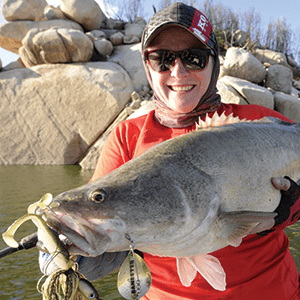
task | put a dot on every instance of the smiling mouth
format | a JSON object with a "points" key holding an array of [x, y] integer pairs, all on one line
{"points": [[182, 88]]}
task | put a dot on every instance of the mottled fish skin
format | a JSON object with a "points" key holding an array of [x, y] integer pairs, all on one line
{"points": [[185, 196]]}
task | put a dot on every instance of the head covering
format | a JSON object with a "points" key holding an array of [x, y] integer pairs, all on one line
{"points": [[180, 14]]}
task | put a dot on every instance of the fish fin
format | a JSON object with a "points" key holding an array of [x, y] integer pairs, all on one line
{"points": [[186, 271], [236, 225], [207, 265], [217, 120]]}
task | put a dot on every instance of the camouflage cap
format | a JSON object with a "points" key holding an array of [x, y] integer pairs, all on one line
{"points": [[185, 16]]}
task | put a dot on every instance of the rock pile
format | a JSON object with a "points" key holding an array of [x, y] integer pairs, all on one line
{"points": [[263, 77], [80, 73]]}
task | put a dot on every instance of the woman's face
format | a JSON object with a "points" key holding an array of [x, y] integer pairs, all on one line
{"points": [[181, 89]]}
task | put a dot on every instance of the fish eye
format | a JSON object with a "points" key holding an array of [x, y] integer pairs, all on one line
{"points": [[98, 196], [92, 296]]}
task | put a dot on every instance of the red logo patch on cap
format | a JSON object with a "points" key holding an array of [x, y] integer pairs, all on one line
{"points": [[201, 26]]}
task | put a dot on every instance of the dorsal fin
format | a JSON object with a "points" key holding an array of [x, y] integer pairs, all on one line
{"points": [[217, 120]]}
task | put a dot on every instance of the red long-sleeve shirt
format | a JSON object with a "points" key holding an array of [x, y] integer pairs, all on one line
{"points": [[260, 268]]}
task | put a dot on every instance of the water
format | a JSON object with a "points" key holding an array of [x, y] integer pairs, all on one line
{"points": [[23, 185], [19, 187]]}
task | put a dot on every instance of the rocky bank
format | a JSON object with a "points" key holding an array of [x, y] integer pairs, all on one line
{"points": [[80, 73]]}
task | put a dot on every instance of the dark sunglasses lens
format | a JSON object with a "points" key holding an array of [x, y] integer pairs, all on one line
{"points": [[161, 61], [194, 61]]}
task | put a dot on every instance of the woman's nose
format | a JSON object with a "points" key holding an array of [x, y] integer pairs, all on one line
{"points": [[178, 69]]}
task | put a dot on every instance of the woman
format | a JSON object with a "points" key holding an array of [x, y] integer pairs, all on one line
{"points": [[180, 54]]}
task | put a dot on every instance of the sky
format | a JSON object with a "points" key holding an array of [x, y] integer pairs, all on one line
{"points": [[269, 10]]}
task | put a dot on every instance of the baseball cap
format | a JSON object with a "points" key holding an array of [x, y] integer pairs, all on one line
{"points": [[185, 16]]}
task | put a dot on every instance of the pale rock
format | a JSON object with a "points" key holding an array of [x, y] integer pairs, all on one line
{"points": [[20, 10], [287, 105], [85, 12], [103, 46], [14, 65], [146, 89], [280, 78], [291, 61], [140, 21], [110, 23], [114, 24], [90, 160], [229, 94], [144, 109], [271, 57], [53, 13], [12, 34], [253, 93], [295, 93], [110, 32], [125, 55], [51, 114], [242, 64], [296, 84], [96, 35], [56, 45], [132, 29], [240, 37], [222, 72], [131, 39], [117, 38]]}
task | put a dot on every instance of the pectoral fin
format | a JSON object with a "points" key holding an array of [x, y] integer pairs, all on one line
{"points": [[208, 266], [236, 225]]}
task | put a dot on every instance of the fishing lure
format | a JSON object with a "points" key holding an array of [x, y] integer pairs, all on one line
{"points": [[66, 283], [134, 277]]}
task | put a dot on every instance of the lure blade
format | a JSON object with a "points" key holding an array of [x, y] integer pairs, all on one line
{"points": [[134, 277]]}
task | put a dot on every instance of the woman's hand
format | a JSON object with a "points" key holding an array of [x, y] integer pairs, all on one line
{"points": [[288, 209]]}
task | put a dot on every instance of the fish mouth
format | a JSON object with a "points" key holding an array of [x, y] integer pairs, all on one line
{"points": [[82, 236]]}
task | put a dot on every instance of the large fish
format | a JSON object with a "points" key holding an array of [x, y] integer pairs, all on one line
{"points": [[185, 197]]}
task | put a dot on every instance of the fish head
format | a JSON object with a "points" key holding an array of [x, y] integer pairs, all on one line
{"points": [[155, 203]]}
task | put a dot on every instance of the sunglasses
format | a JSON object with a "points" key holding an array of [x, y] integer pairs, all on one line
{"points": [[164, 60]]}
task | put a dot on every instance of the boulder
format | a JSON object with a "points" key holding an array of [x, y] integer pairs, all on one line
{"points": [[51, 114], [12, 34], [53, 13], [280, 78], [296, 84], [295, 93], [242, 64], [132, 29], [117, 38], [104, 47], [240, 37], [114, 24], [14, 65], [20, 10], [55, 45], [131, 39], [271, 57], [288, 106], [85, 12], [131, 111], [291, 62], [125, 55], [229, 94], [253, 93]]}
